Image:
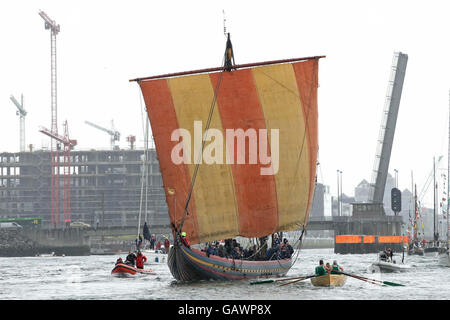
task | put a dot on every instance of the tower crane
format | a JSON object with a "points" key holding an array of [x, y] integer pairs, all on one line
{"points": [[54, 154], [115, 135], [21, 112], [69, 144]]}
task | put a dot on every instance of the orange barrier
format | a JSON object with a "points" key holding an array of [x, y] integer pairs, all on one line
{"points": [[389, 239], [348, 239], [371, 239]]}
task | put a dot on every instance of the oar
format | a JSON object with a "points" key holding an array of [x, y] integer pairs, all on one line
{"points": [[302, 278], [276, 280], [374, 281]]}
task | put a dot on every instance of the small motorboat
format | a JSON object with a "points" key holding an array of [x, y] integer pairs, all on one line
{"points": [[46, 254], [329, 280], [416, 251], [122, 269], [387, 263]]}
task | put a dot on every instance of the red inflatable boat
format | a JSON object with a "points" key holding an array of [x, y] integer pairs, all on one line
{"points": [[124, 269]]}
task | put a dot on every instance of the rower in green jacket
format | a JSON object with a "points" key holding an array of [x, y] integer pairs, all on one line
{"points": [[336, 268], [320, 269]]}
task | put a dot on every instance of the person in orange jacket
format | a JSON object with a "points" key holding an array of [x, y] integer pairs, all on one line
{"points": [[140, 259]]}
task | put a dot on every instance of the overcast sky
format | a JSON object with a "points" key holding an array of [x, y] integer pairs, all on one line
{"points": [[103, 44]]}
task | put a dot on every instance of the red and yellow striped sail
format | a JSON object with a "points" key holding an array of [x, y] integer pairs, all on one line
{"points": [[235, 199]]}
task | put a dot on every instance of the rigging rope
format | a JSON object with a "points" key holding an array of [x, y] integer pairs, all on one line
{"points": [[143, 172]]}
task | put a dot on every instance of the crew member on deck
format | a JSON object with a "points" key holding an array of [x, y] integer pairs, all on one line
{"points": [[152, 242], [167, 244], [185, 240], [139, 242], [320, 269], [390, 254]]}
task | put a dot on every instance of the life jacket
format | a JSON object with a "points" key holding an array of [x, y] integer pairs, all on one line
{"points": [[185, 241], [320, 271], [335, 269], [140, 260]]}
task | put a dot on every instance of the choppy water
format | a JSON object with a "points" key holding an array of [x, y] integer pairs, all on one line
{"points": [[89, 277]]}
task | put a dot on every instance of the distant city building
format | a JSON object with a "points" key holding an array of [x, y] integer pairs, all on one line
{"points": [[346, 207], [362, 194], [321, 206], [105, 187], [362, 191]]}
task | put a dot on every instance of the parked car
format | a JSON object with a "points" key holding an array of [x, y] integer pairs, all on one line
{"points": [[79, 224], [10, 226]]}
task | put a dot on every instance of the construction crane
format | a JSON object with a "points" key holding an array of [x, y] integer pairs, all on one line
{"points": [[114, 134], [21, 112], [69, 144], [387, 130], [54, 154]]}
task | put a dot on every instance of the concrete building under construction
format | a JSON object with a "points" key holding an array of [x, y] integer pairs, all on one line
{"points": [[105, 188]]}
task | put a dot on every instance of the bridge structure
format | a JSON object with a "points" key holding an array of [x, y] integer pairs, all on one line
{"points": [[375, 225]]}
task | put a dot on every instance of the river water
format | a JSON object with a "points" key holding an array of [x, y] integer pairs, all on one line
{"points": [[89, 278]]}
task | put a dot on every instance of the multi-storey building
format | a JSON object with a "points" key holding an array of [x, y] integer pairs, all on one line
{"points": [[105, 187]]}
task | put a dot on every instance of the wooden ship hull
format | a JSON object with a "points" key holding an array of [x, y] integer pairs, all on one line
{"points": [[329, 280], [189, 264]]}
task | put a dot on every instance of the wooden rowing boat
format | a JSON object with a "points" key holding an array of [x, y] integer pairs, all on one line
{"points": [[329, 280]]}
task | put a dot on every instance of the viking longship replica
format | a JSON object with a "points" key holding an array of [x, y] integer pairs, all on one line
{"points": [[220, 189]]}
